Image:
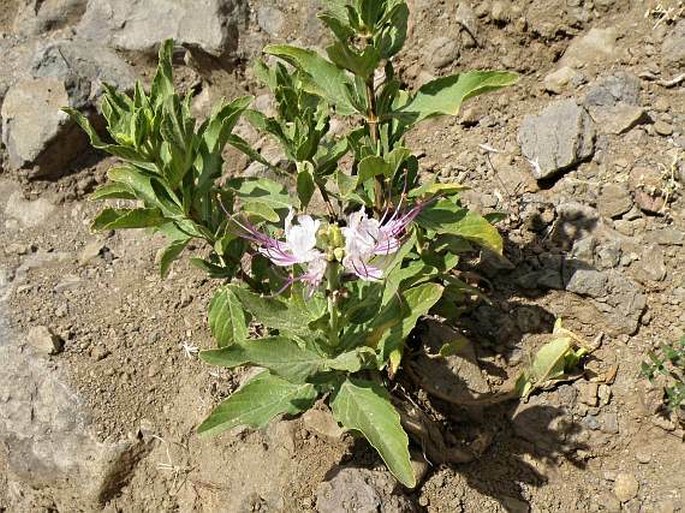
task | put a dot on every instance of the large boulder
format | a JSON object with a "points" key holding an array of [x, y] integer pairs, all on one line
{"points": [[47, 437], [139, 25], [37, 134]]}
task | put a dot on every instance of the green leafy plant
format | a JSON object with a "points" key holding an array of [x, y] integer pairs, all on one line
{"points": [[334, 290], [667, 366]]}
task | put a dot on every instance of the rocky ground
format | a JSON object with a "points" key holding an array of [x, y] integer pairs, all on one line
{"points": [[101, 392]]}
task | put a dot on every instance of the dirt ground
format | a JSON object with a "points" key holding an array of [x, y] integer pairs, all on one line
{"points": [[587, 445]]}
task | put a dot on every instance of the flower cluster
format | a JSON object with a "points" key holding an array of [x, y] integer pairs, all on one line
{"points": [[364, 239]]}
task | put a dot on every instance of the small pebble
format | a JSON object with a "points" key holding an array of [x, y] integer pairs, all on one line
{"points": [[626, 487], [663, 128], [643, 456]]}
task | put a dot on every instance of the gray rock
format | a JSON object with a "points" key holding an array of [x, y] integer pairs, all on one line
{"points": [[614, 103], [362, 491], [35, 131], [666, 237], [39, 16], [559, 80], [83, 67], [557, 139], [673, 47], [270, 19], [48, 438], [595, 47], [663, 128], [29, 213], [323, 423], [651, 266], [139, 25], [626, 487], [614, 200], [441, 51], [467, 18], [620, 299], [609, 423], [44, 341], [500, 12]]}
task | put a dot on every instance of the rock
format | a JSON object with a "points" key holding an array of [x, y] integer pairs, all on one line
{"points": [[49, 440], [614, 103], [663, 128], [595, 47], [619, 299], [467, 18], [626, 487], [643, 455], [270, 19], [36, 132], [323, 423], [647, 185], [91, 251], [44, 341], [83, 67], [666, 237], [651, 266], [29, 213], [673, 47], [441, 51], [140, 25], [619, 87], [557, 139], [557, 81], [362, 491], [500, 12], [614, 200], [587, 393], [39, 16], [609, 423]]}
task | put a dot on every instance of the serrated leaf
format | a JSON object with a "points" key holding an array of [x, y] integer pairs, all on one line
{"points": [[114, 219], [327, 80], [258, 402], [444, 96], [281, 356], [226, 318], [365, 407]]}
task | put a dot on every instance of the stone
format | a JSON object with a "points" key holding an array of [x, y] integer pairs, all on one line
{"points": [[39, 16], [500, 12], [36, 132], [49, 440], [29, 213], [663, 128], [619, 299], [322, 423], [44, 341], [139, 25], [666, 237], [673, 47], [441, 51], [651, 266], [647, 186], [83, 67], [587, 393], [614, 200], [270, 20], [595, 47], [557, 139], [609, 423], [614, 103], [91, 251], [467, 18], [626, 487], [561, 79], [362, 491]]}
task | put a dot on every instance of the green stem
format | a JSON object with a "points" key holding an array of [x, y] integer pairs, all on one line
{"points": [[374, 133], [333, 279]]}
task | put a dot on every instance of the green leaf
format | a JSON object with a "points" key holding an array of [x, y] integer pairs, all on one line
{"points": [[114, 219], [112, 191], [365, 407], [477, 229], [432, 188], [327, 80], [280, 355], [169, 254], [162, 83], [305, 184], [275, 313], [226, 318], [444, 96], [259, 401]]}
